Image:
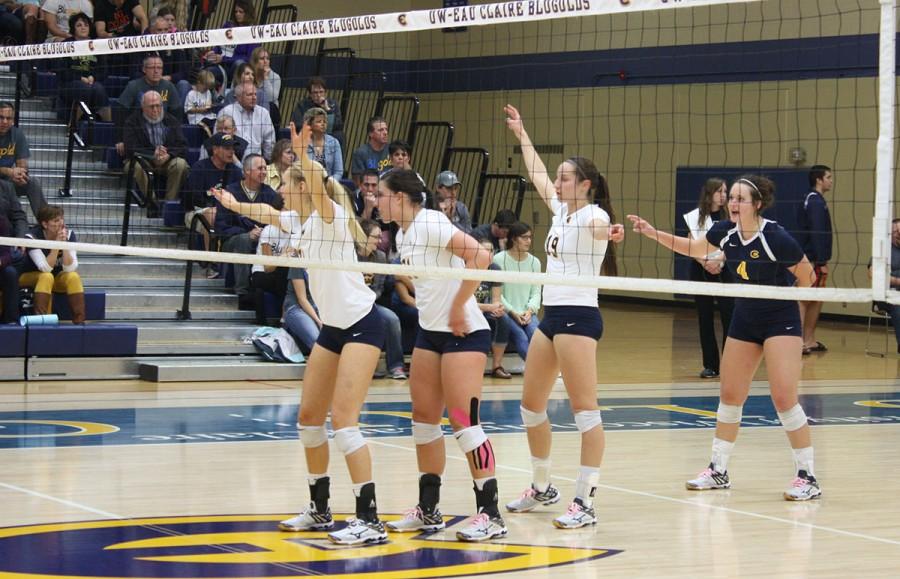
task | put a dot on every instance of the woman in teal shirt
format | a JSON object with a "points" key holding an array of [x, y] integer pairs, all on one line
{"points": [[521, 300]]}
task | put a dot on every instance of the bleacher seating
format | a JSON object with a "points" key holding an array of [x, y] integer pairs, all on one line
{"points": [[94, 305], [87, 340], [12, 341]]}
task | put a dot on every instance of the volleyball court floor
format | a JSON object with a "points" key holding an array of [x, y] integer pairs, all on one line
{"points": [[134, 479]]}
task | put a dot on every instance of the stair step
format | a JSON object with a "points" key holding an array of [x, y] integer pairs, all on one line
{"points": [[197, 314], [201, 299], [217, 369], [135, 270]]}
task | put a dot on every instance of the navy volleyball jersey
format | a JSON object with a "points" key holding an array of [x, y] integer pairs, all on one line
{"points": [[764, 259]]}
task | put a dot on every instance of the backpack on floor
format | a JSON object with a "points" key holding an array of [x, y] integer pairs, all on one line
{"points": [[276, 345]]}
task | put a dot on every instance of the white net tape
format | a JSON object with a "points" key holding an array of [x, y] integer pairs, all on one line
{"points": [[596, 281]]}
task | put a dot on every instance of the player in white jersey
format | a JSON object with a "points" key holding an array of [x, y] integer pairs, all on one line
{"points": [[341, 364], [566, 339], [449, 357]]}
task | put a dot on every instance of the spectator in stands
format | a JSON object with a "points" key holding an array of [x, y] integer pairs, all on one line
{"points": [[198, 105], [156, 136], [241, 233], [215, 172], [252, 122], [323, 148], [163, 11], [393, 346], [175, 11], [497, 230], [225, 124], [80, 76], [228, 57], [522, 301], [11, 208], [114, 18], [14, 155], [364, 199], [266, 278], [9, 276], [153, 80], [488, 296], [318, 97], [53, 270], [176, 61], [400, 154], [446, 191], [29, 11], [56, 15], [374, 153], [282, 158], [301, 318], [267, 80], [244, 73], [893, 310]]}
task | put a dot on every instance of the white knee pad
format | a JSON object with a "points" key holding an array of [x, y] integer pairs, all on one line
{"points": [[531, 419], [349, 440], [793, 418], [312, 436], [424, 433], [588, 420], [470, 438], [728, 414]]}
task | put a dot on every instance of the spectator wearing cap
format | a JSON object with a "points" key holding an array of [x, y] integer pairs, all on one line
{"points": [[447, 188], [497, 230], [225, 124], [218, 171], [156, 135], [14, 155]]}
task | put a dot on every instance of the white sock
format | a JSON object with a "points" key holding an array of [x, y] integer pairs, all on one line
{"points": [[586, 484], [803, 460], [357, 489], [541, 469], [312, 478], [721, 452], [479, 482]]}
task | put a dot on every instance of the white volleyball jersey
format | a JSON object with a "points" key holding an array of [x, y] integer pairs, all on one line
{"points": [[343, 298], [424, 243], [573, 251]]}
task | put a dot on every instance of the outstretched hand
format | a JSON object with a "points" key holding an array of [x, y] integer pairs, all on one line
{"points": [[641, 225], [224, 197], [514, 121]]}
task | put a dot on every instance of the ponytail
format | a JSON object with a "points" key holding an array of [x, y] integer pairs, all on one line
{"points": [[587, 171]]}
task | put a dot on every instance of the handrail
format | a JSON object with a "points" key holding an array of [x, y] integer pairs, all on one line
{"points": [[132, 193], [185, 312], [77, 106]]}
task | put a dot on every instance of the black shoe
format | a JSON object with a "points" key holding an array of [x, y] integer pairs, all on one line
{"points": [[707, 373]]}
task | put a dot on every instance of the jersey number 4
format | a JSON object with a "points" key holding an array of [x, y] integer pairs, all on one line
{"points": [[742, 271], [550, 246]]}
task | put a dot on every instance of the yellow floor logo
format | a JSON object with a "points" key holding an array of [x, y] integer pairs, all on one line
{"points": [[249, 547]]}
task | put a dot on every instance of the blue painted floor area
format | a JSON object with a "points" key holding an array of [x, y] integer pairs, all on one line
{"points": [[277, 422]]}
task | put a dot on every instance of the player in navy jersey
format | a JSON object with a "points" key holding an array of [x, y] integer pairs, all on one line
{"points": [[340, 367], [566, 340], [759, 252], [447, 368]]}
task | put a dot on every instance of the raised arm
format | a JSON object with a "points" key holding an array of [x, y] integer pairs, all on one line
{"points": [[537, 171], [315, 174], [682, 245]]}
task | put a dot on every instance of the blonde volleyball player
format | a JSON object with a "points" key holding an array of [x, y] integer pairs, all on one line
{"points": [[340, 366], [448, 359], [757, 251], [566, 340]]}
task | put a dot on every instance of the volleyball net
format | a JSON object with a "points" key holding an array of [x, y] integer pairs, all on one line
{"points": [[662, 96]]}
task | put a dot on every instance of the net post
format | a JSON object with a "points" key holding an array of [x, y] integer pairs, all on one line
{"points": [[884, 169]]}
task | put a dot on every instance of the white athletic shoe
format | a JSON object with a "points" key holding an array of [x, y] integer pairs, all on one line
{"points": [[308, 520], [416, 520], [803, 488], [709, 479], [576, 516], [359, 532], [482, 528], [532, 498]]}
